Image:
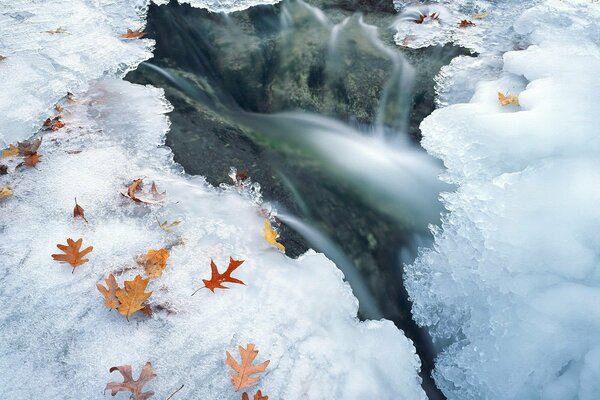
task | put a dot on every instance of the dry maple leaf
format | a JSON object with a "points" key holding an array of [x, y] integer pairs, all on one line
{"points": [[132, 297], [506, 100], [257, 396], [465, 23], [134, 192], [242, 375], [5, 191], [131, 385], [154, 262], [10, 151], [72, 254], [79, 212], [133, 34], [168, 226], [271, 236], [216, 279], [109, 292]]}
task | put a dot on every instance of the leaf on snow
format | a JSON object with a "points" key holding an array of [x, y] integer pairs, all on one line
{"points": [[242, 374], [465, 23], [168, 226], [53, 124], [482, 15], [32, 160], [133, 34], [5, 191], [154, 262], [129, 384], [257, 396], [57, 30], [72, 254], [79, 212], [109, 292], [10, 151], [271, 236], [132, 297], [28, 148], [216, 280], [3, 169], [506, 100], [135, 193]]}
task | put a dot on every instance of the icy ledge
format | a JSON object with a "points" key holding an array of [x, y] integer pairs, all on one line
{"points": [[57, 340], [513, 280]]}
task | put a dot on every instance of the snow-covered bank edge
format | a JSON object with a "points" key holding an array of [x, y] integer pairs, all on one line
{"points": [[54, 326]]}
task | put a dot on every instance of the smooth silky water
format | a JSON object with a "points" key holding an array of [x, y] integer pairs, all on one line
{"points": [[322, 109]]}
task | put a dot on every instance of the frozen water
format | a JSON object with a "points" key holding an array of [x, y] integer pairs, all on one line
{"points": [[222, 5], [513, 279], [57, 340]]}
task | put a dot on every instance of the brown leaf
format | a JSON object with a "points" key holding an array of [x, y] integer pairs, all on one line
{"points": [[506, 100], [72, 254], [257, 396], [133, 34], [5, 191], [134, 386], [135, 193], [147, 310], [216, 280], [28, 148], [465, 23], [57, 30], [10, 151], [53, 124], [242, 375], [109, 292], [154, 262], [3, 169], [2, 57], [32, 160], [78, 211], [132, 297], [271, 236]]}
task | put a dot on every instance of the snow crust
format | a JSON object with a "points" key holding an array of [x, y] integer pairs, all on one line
{"points": [[57, 340], [511, 286]]}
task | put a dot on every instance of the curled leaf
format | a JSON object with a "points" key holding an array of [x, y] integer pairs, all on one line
{"points": [[79, 212], [53, 124], [135, 193], [271, 236], [506, 100]]}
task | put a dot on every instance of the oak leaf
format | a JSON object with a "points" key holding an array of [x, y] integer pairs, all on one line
{"points": [[72, 254], [271, 236], [79, 212], [5, 191], [135, 193], [133, 34], [257, 396], [242, 374], [154, 262], [129, 384], [506, 100], [216, 280], [465, 23], [109, 292], [132, 296]]}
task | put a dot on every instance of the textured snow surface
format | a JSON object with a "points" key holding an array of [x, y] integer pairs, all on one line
{"points": [[57, 339], [513, 280]]}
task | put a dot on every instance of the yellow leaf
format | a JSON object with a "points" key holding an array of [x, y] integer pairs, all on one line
{"points": [[5, 191], [506, 100], [271, 236], [168, 226], [154, 262]]}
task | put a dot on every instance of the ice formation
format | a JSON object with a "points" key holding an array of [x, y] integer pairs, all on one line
{"points": [[512, 284], [57, 340]]}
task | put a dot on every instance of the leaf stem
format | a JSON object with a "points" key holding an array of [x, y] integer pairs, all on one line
{"points": [[173, 394]]}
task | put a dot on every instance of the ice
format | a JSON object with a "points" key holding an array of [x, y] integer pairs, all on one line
{"points": [[222, 5], [57, 340], [512, 284]]}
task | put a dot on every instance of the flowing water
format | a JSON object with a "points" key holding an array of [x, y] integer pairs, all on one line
{"points": [[319, 106]]}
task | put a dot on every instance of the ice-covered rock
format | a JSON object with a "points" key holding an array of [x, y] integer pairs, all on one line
{"points": [[57, 340], [513, 279]]}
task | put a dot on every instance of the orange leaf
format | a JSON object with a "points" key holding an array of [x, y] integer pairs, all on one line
{"points": [[134, 192], [131, 385], [32, 160], [465, 23], [506, 100], [241, 376], [271, 236], [132, 297], [78, 211], [257, 396], [154, 262], [72, 254], [53, 124], [5, 191], [133, 34], [109, 292], [217, 279], [10, 151]]}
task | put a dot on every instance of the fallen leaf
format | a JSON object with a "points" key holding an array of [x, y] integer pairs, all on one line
{"points": [[109, 292], [131, 385], [482, 15], [10, 151], [59, 109], [506, 100], [57, 30], [147, 310], [2, 57], [72, 254], [78, 211], [465, 23], [217, 279], [32, 160], [53, 124], [257, 396], [28, 148], [133, 34], [5, 191], [421, 19], [168, 226], [271, 236], [241, 376], [135, 193], [133, 295], [154, 262], [3, 169]]}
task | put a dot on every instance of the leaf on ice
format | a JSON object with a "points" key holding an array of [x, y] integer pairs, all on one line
{"points": [[506, 100], [29, 148], [133, 296], [271, 236], [136, 387], [5, 191], [216, 280], [57, 30], [243, 375], [168, 226], [32, 160], [133, 34], [257, 396], [10, 151], [154, 262], [53, 124], [79, 212], [481, 15], [465, 23], [72, 254], [135, 193], [109, 292]]}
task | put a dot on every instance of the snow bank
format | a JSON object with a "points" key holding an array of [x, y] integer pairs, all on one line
{"points": [[513, 279], [57, 340]]}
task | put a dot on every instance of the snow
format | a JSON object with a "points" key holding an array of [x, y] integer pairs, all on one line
{"points": [[512, 284], [57, 340], [226, 6]]}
